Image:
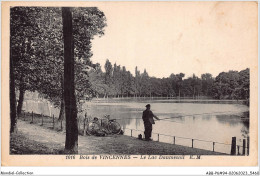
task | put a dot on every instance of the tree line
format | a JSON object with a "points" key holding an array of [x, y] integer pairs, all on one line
{"points": [[116, 81]]}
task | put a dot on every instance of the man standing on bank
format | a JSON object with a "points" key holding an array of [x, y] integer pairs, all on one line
{"points": [[148, 122]]}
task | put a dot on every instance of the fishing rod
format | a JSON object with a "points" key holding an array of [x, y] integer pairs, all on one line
{"points": [[188, 115]]}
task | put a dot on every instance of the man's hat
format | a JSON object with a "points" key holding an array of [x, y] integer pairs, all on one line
{"points": [[148, 105]]}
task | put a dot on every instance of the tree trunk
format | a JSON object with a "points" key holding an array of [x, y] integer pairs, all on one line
{"points": [[21, 98], [71, 144], [62, 110], [62, 103], [194, 93], [12, 97]]}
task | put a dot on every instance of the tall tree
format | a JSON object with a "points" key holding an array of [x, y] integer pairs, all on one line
{"points": [[232, 85], [108, 75], [207, 82], [129, 84], [108, 72], [71, 143], [62, 104], [23, 29], [137, 82], [12, 97], [244, 82], [179, 82], [117, 79], [194, 84], [145, 84], [87, 23], [97, 83], [125, 80]]}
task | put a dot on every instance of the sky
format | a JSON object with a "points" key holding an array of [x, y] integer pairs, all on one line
{"points": [[174, 37]]}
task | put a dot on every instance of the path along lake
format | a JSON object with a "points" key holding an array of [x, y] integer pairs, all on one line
{"points": [[185, 119]]}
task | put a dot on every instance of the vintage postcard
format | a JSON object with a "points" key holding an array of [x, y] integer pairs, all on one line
{"points": [[129, 83]]}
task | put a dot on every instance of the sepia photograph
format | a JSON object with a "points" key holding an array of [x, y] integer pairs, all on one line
{"points": [[129, 82]]}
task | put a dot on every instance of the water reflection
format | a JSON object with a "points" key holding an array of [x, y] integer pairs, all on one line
{"points": [[235, 120]]}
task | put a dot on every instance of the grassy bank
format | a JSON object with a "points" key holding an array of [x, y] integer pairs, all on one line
{"points": [[34, 139]]}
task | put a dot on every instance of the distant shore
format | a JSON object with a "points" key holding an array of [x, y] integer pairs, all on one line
{"points": [[170, 99]]}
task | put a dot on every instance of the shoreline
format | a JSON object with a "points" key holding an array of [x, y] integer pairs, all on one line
{"points": [[47, 141]]}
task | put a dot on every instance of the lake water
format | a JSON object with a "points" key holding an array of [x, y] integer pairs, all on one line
{"points": [[204, 120]]}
